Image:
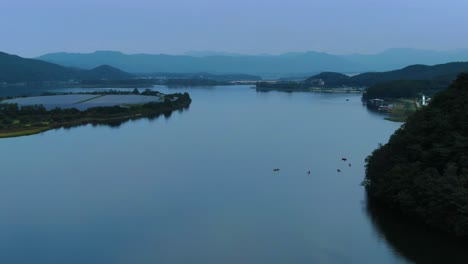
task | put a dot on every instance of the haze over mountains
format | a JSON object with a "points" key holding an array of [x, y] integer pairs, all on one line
{"points": [[288, 64]]}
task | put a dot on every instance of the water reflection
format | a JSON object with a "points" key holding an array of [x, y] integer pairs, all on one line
{"points": [[167, 114], [414, 241]]}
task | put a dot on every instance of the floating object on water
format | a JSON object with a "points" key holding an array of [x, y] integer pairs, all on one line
{"points": [[308, 172], [347, 99], [349, 164], [276, 169], [344, 159], [338, 170]]}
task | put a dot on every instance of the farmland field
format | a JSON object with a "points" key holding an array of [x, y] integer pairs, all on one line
{"points": [[82, 101]]}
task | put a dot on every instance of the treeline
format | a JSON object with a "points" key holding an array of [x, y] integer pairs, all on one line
{"points": [[423, 169]]}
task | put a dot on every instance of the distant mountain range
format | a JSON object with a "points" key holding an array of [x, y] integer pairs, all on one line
{"points": [[289, 64], [106, 65], [15, 69]]}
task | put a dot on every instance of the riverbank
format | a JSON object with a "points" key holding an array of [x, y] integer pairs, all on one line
{"points": [[312, 89], [398, 110], [402, 109]]}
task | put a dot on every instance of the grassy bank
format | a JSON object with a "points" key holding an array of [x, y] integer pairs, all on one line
{"points": [[22, 132], [402, 109]]}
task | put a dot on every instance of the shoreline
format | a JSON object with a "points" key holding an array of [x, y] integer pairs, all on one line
{"points": [[312, 89]]}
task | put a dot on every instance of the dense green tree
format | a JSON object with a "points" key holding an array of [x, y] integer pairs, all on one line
{"points": [[423, 169]]}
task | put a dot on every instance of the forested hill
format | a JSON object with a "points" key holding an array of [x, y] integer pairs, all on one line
{"points": [[14, 69], [441, 73], [423, 169], [107, 72]]}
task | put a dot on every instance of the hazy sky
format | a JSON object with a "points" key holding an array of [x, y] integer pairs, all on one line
{"points": [[34, 27]]}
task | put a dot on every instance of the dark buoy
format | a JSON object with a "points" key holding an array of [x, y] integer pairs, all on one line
{"points": [[338, 170], [308, 172], [344, 159], [349, 164]]}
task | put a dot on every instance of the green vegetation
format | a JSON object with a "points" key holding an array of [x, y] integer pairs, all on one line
{"points": [[281, 86], [400, 89], [402, 109], [404, 89], [423, 169], [330, 79], [293, 86], [442, 74], [27, 120]]}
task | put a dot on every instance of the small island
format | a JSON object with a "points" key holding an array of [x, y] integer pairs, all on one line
{"points": [[23, 116]]}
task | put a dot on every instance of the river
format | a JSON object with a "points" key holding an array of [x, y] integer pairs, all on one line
{"points": [[198, 186]]}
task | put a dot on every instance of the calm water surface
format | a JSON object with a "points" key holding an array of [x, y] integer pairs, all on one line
{"points": [[198, 187]]}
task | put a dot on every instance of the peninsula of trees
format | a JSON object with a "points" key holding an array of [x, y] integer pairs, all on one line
{"points": [[423, 169], [24, 120]]}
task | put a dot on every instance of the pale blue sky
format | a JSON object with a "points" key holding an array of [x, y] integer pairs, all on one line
{"points": [[34, 27]]}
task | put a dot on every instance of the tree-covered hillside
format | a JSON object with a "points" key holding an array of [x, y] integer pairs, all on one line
{"points": [[406, 82], [440, 73], [423, 169], [404, 89], [14, 69]]}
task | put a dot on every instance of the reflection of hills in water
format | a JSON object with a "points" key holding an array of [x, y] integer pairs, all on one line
{"points": [[117, 123], [414, 241]]}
